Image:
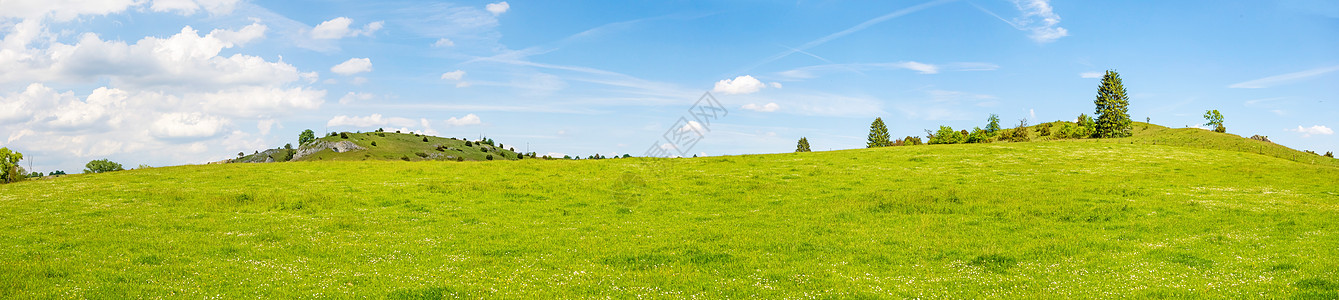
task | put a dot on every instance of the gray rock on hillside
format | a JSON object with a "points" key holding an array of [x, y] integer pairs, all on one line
{"points": [[317, 146]]}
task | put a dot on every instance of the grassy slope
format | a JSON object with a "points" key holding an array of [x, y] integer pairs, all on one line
{"points": [[963, 221], [395, 146]]}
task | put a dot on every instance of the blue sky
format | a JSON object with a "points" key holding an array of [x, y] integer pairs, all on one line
{"points": [[169, 82]]}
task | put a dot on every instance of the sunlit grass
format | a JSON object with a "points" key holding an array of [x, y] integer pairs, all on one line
{"points": [[1043, 220]]}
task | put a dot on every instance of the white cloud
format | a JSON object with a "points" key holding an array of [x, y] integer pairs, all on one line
{"points": [[61, 10], [257, 101], [919, 67], [466, 120], [1039, 19], [498, 8], [187, 126], [1313, 130], [1032, 115], [1284, 78], [769, 107], [922, 68], [1091, 75], [368, 121], [266, 125], [189, 7], [241, 37], [353, 66], [352, 97], [443, 43], [775, 85], [453, 75], [693, 126], [338, 28], [741, 85], [310, 77]]}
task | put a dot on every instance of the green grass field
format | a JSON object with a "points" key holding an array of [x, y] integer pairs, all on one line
{"points": [[1049, 219]]}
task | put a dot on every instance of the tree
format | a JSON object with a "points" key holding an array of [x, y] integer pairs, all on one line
{"points": [[307, 136], [911, 141], [1329, 154], [1019, 133], [946, 135], [803, 146], [878, 135], [56, 173], [993, 125], [1215, 119], [978, 135], [9, 165], [1113, 116], [102, 166], [425, 139]]}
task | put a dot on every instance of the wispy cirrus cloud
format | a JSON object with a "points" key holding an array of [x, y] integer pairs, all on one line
{"points": [[1283, 78], [1038, 18], [919, 67]]}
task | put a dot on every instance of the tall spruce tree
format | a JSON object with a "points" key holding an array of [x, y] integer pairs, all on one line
{"points": [[1113, 117], [878, 135], [803, 146]]}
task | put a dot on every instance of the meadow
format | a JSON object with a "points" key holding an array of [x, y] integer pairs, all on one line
{"points": [[1043, 219]]}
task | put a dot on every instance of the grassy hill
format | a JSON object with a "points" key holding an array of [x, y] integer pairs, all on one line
{"points": [[392, 146], [1074, 219]]}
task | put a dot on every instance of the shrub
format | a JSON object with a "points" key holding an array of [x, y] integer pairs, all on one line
{"points": [[421, 154], [102, 166], [1044, 129], [946, 135], [1329, 154], [489, 157], [374, 143], [469, 144], [978, 135], [56, 173], [1019, 133], [460, 158], [344, 135], [404, 157], [912, 141], [307, 136], [425, 139], [520, 156]]}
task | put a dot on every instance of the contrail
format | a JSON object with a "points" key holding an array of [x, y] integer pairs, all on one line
{"points": [[839, 34]]}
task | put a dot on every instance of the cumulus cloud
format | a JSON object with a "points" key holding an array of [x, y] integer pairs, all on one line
{"points": [[769, 107], [352, 97], [466, 120], [498, 8], [739, 86], [353, 66], [453, 75], [443, 43], [240, 37], [338, 28], [189, 7], [187, 126], [65, 10], [1313, 130]]}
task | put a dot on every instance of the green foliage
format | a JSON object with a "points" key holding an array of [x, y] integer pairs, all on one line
{"points": [[1113, 117], [374, 143], [1019, 133], [307, 136], [1329, 154], [56, 173], [993, 125], [469, 144], [489, 157], [35, 174], [878, 135], [9, 165], [425, 139], [912, 141], [978, 136], [946, 135], [803, 145], [102, 166], [1215, 119], [344, 135]]}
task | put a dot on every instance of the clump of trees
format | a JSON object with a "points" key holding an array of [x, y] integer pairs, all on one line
{"points": [[1113, 116], [1215, 119], [9, 166], [803, 145], [102, 166]]}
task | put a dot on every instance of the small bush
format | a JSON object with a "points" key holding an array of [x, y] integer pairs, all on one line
{"points": [[489, 157], [344, 135], [404, 158], [374, 143], [421, 154], [460, 158], [1329, 154], [946, 135], [425, 139], [469, 144]]}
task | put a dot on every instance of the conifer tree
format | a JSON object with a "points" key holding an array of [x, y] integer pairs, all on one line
{"points": [[993, 125], [1113, 116], [878, 135], [803, 145]]}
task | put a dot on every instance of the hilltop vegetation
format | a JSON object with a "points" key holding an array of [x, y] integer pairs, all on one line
{"points": [[1070, 218], [387, 146]]}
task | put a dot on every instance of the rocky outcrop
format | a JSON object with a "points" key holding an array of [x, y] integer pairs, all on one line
{"points": [[319, 145]]}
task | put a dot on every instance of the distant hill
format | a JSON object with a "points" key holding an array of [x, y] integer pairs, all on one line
{"points": [[353, 146]]}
